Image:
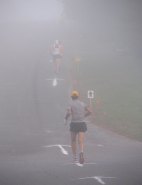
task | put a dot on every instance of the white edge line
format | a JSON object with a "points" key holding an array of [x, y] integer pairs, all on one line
{"points": [[63, 150], [99, 145], [60, 79], [76, 163], [98, 178], [56, 145]]}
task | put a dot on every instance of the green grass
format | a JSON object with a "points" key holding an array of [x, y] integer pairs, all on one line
{"points": [[118, 104]]}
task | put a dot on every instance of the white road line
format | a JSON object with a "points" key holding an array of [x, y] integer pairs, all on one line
{"points": [[80, 164], [98, 178], [89, 163], [99, 145], [58, 79], [49, 79], [65, 152], [55, 81], [49, 131], [77, 164]]}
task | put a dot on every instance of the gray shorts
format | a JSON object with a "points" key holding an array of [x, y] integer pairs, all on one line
{"points": [[57, 56], [78, 127]]}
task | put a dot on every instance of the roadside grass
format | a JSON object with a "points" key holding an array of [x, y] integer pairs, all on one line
{"points": [[114, 71], [118, 104]]}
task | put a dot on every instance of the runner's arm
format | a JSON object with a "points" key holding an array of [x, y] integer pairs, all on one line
{"points": [[68, 113]]}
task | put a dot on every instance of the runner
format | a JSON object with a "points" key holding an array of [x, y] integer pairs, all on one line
{"points": [[78, 111], [57, 54]]}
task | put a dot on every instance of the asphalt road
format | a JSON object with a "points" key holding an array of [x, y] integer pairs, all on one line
{"points": [[35, 143]]}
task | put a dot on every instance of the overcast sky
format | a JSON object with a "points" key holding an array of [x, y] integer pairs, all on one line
{"points": [[26, 10]]}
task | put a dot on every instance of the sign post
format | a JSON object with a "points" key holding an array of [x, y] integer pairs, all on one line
{"points": [[91, 96]]}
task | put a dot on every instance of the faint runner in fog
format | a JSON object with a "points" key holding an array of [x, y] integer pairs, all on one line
{"points": [[56, 51]]}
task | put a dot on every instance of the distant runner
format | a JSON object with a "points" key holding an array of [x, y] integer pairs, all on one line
{"points": [[78, 111], [56, 51]]}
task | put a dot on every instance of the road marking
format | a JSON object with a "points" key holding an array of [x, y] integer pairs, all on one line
{"points": [[51, 79], [63, 151], [98, 178], [49, 131], [99, 145], [55, 80], [77, 164], [89, 163], [80, 164]]}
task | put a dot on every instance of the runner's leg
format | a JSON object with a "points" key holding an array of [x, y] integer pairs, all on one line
{"points": [[54, 64], [81, 141], [58, 61], [81, 146], [73, 144]]}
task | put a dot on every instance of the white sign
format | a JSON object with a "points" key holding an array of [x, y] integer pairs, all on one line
{"points": [[90, 94]]}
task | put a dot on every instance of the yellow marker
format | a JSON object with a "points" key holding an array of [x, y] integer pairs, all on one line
{"points": [[77, 60]]}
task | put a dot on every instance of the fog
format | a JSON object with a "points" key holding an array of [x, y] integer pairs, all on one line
{"points": [[29, 10], [110, 36], [102, 52]]}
